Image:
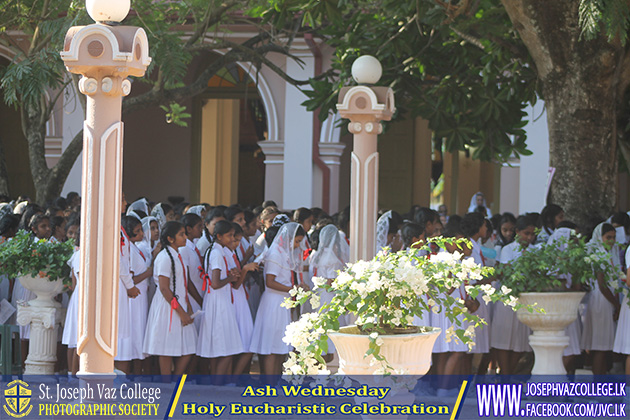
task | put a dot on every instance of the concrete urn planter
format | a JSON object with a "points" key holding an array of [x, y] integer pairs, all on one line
{"points": [[548, 338], [411, 352], [43, 314]]}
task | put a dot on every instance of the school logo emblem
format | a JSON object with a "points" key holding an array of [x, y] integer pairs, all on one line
{"points": [[17, 398]]}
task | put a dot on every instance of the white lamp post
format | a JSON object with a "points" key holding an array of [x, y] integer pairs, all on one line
{"points": [[105, 56], [365, 107]]}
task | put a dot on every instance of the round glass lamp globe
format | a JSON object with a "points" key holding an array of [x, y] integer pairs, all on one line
{"points": [[366, 69], [108, 10]]}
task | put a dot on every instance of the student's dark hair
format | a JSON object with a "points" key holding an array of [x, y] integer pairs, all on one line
{"points": [[36, 220], [301, 214], [71, 196], [166, 207], [505, 218], [8, 223], [73, 219], [313, 239], [481, 210], [489, 226], [238, 230], [548, 216], [129, 223], [318, 213], [170, 230], [269, 203], [567, 224], [343, 219], [270, 234], [324, 221], [409, 231], [189, 220], [222, 227], [394, 222], [496, 221], [231, 212], [453, 227], [77, 238], [52, 211], [222, 208], [525, 221], [621, 218], [536, 219], [425, 215], [60, 203], [249, 216], [55, 222], [471, 223], [300, 231], [140, 213], [607, 227], [29, 211], [210, 216]]}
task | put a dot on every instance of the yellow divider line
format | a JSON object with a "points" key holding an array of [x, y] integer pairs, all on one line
{"points": [[179, 391], [457, 403]]}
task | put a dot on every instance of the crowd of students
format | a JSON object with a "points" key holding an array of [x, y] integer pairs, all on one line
{"points": [[201, 286]]}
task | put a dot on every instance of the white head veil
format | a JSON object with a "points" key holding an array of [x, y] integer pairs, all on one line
{"points": [[282, 252], [146, 228], [20, 207], [382, 229], [158, 213], [597, 244], [142, 205], [196, 209], [330, 255]]}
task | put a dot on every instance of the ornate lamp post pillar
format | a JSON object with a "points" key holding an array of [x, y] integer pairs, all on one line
{"points": [[104, 55], [365, 107]]}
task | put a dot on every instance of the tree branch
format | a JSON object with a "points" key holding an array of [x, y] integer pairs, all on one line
{"points": [[211, 18]]}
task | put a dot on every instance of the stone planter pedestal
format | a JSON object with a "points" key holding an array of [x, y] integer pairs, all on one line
{"points": [[549, 339], [408, 352], [44, 314]]}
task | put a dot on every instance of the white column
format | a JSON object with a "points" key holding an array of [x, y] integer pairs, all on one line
{"points": [[298, 137], [274, 170]]}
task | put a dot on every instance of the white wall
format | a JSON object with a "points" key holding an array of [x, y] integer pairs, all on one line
{"points": [[534, 168], [73, 117]]}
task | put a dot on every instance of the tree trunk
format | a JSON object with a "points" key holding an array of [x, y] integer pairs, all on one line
{"points": [[4, 174], [580, 85]]}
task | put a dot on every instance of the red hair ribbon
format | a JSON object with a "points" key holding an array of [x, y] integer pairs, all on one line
{"points": [[206, 279], [174, 306], [306, 253]]}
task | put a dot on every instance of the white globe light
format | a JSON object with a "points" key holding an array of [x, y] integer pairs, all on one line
{"points": [[366, 69], [108, 10]]}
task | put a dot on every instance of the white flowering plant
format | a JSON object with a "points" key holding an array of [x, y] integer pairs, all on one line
{"points": [[385, 294], [547, 267]]}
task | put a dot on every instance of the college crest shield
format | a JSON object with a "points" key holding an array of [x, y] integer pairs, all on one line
{"points": [[17, 398]]}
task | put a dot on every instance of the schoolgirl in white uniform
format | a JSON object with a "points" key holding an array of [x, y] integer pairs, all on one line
{"points": [[212, 217], [622, 336], [194, 262], [508, 335], [170, 333], [241, 306], [71, 328], [283, 266], [598, 335], [218, 334]]}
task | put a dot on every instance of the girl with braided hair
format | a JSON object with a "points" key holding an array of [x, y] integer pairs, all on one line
{"points": [[170, 331]]}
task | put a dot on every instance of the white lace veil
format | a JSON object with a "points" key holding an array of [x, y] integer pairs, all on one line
{"points": [[382, 229], [597, 244], [146, 228], [330, 255], [158, 213], [196, 209], [141, 204], [282, 252], [473, 202]]}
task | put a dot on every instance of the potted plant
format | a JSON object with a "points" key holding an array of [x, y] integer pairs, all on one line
{"points": [[385, 294], [541, 277], [40, 265]]}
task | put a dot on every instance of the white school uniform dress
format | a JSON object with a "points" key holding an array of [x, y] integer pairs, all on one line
{"points": [[70, 328], [130, 347], [272, 319], [193, 261], [126, 282], [241, 305], [203, 244], [482, 333], [599, 326], [165, 335], [622, 336], [217, 332], [507, 332]]}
